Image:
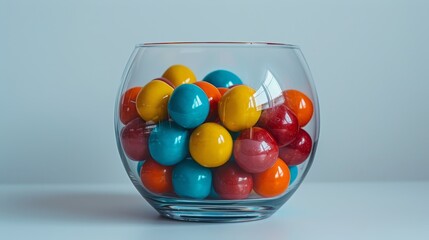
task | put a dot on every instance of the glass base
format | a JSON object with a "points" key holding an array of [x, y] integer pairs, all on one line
{"points": [[222, 211]]}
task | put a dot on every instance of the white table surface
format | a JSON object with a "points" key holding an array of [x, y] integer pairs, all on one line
{"points": [[394, 210]]}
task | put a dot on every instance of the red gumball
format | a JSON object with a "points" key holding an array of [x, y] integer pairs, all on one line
{"points": [[231, 182], [127, 109], [281, 122], [163, 79], [214, 96], [298, 151], [255, 150], [222, 90], [134, 138], [156, 177]]}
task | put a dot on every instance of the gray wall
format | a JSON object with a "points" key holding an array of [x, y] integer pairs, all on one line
{"points": [[61, 62]]}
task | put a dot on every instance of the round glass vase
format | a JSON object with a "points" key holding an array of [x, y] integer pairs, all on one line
{"points": [[283, 97]]}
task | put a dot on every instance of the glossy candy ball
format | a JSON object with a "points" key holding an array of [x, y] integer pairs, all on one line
{"points": [[300, 104], [231, 182], [179, 74], [273, 181], [127, 109], [163, 79], [298, 151], [156, 177], [191, 179], [214, 96], [293, 173], [255, 150], [134, 139], [281, 122], [139, 166], [168, 143], [238, 109], [152, 101], [213, 194], [188, 106], [222, 90], [210, 145], [234, 135], [222, 78]]}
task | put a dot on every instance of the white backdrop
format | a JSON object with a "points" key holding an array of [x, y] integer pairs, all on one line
{"points": [[61, 63]]}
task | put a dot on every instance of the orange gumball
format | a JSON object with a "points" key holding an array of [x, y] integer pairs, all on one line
{"points": [[222, 90], [213, 95], [156, 177], [273, 181], [127, 109], [300, 104]]}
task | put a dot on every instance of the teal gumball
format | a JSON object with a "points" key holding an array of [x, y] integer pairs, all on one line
{"points": [[169, 143], [213, 194], [188, 106], [293, 173], [139, 166], [222, 78], [191, 180]]}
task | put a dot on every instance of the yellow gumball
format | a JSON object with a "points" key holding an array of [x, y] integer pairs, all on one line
{"points": [[210, 145], [152, 100], [179, 74], [237, 108]]}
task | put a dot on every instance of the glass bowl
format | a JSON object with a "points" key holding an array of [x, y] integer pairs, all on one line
{"points": [[217, 131]]}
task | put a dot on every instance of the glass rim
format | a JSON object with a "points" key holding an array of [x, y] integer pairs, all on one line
{"points": [[216, 44]]}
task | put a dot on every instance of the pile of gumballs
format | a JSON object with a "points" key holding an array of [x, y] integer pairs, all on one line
{"points": [[210, 138]]}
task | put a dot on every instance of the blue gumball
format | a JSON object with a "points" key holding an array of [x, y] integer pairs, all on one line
{"points": [[139, 166], [188, 106], [191, 180], [293, 173], [234, 135], [168, 143], [213, 194], [222, 78]]}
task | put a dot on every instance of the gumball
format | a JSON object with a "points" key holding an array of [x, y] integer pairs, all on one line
{"points": [[210, 145], [128, 110], [293, 173], [300, 104], [233, 86], [298, 151], [255, 150], [134, 138], [238, 109], [231, 182], [222, 90], [191, 179], [213, 194], [222, 78], [168, 143], [156, 177], [273, 181], [234, 135], [163, 79], [281, 122], [179, 74], [188, 106], [139, 166], [214, 96], [152, 101]]}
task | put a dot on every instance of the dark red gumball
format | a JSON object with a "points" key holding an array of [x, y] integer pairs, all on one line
{"points": [[166, 81], [231, 182], [134, 138], [235, 85], [281, 122], [255, 150], [298, 151]]}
